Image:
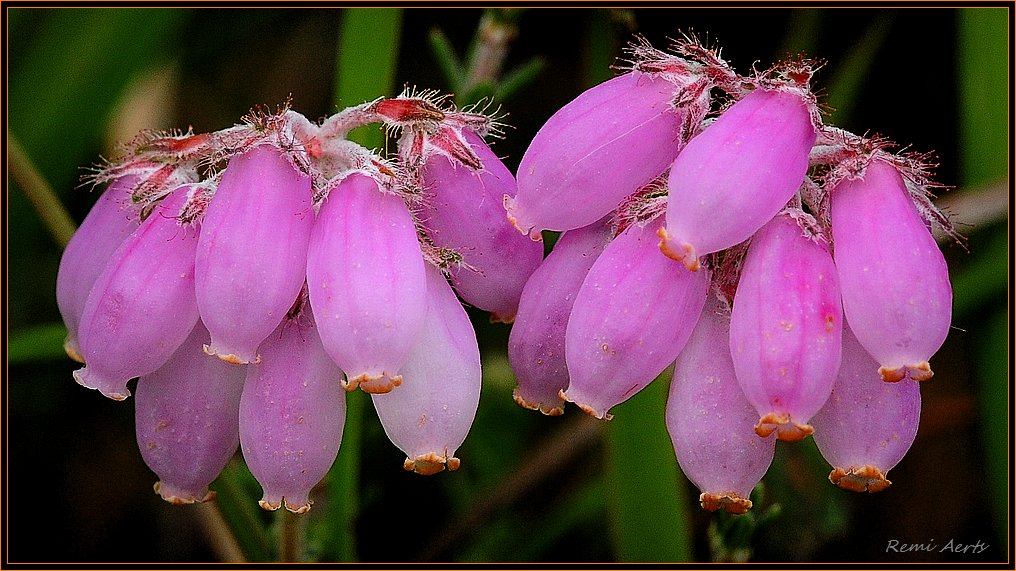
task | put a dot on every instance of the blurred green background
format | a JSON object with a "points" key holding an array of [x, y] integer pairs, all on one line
{"points": [[531, 488]]}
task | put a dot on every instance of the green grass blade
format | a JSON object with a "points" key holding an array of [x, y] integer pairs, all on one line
{"points": [[649, 507], [234, 493], [367, 60], [983, 50], [40, 343], [851, 72]]}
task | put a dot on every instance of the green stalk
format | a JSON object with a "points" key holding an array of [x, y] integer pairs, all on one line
{"points": [[52, 212]]}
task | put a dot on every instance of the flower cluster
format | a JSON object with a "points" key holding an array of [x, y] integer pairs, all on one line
{"points": [[242, 274], [713, 221]]}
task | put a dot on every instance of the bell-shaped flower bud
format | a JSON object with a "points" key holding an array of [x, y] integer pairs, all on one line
{"points": [[631, 318], [292, 412], [896, 291], [737, 174], [596, 150], [107, 225], [866, 426], [366, 278], [536, 348], [463, 212], [429, 416], [786, 328], [710, 421], [187, 420], [142, 306], [252, 255]]}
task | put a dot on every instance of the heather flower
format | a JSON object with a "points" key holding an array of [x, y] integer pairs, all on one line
{"points": [[107, 225], [252, 255], [595, 151], [737, 174], [292, 413], [785, 327], [142, 306], [429, 415], [878, 238], [462, 211], [710, 421], [365, 275], [631, 317], [187, 420], [536, 346], [866, 426]]}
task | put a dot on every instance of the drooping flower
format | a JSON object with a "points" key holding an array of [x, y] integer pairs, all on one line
{"points": [[142, 306], [632, 315], [366, 278], [785, 328], [536, 346], [292, 413], [187, 420], [736, 174], [595, 151], [866, 426], [711, 423], [896, 292], [462, 211], [252, 254], [429, 415], [106, 226]]}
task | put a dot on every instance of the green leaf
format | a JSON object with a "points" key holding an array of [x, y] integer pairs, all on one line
{"points": [[518, 78], [649, 504], [993, 380], [234, 489], [366, 64], [40, 343], [984, 278], [444, 54], [983, 48], [853, 69]]}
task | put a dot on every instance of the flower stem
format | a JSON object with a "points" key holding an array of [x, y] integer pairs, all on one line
{"points": [[54, 216], [289, 536], [220, 535]]}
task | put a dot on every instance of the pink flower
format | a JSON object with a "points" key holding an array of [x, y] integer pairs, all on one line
{"points": [[896, 291], [252, 255], [142, 307], [710, 421], [429, 416], [595, 151], [536, 346], [632, 315], [187, 420], [785, 328], [365, 275], [737, 174]]}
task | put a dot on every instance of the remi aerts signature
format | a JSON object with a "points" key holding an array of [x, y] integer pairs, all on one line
{"points": [[931, 546]]}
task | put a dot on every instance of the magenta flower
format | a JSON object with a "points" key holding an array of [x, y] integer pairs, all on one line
{"points": [[107, 225], [737, 174], [536, 346], [595, 151], [365, 275], [429, 416], [252, 255], [631, 318], [785, 328], [142, 306], [291, 414], [462, 211], [187, 420], [896, 291], [866, 426], [710, 421]]}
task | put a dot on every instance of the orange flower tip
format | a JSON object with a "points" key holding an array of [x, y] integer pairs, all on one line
{"points": [[730, 502], [172, 496], [298, 509], [920, 372], [431, 463], [269, 506], [684, 253], [864, 479], [71, 348], [892, 375], [231, 358], [602, 415], [373, 384], [502, 318], [548, 410], [781, 424]]}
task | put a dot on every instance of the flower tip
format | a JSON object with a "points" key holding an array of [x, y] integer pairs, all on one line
{"points": [[72, 350], [512, 209], [546, 409], [864, 479], [298, 507], [590, 410], [919, 372], [730, 502], [502, 318], [431, 463], [372, 384], [86, 378], [231, 358], [684, 252], [179, 497], [781, 424]]}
